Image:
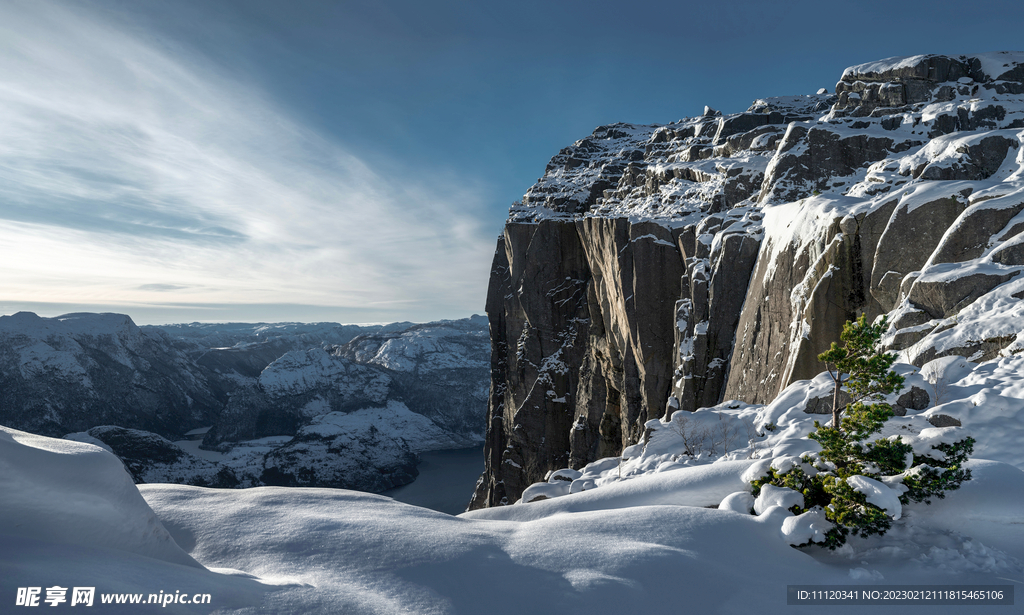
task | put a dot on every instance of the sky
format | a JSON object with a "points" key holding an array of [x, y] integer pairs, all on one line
{"points": [[257, 161]]}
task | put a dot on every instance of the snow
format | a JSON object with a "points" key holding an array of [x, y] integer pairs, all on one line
{"points": [[704, 485], [87, 439], [543, 491], [424, 348], [878, 494], [622, 547], [881, 66], [926, 440], [994, 64], [972, 531], [78, 494], [777, 496], [356, 553], [654, 239], [739, 501], [795, 225], [810, 526]]}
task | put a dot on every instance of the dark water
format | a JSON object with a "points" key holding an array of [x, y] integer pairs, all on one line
{"points": [[446, 480]]}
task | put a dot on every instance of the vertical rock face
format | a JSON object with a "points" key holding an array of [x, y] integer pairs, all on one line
{"points": [[538, 317], [630, 340], [668, 267]]}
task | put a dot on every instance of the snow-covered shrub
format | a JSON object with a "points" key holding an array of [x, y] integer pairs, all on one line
{"points": [[860, 487]]}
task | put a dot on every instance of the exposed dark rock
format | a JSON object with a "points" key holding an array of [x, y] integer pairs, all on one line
{"points": [[943, 297], [823, 404], [979, 161], [1011, 253], [905, 245], [540, 316], [971, 235], [707, 314], [944, 420], [915, 398], [905, 338], [808, 158]]}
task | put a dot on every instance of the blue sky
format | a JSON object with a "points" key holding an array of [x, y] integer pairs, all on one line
{"points": [[354, 161]]}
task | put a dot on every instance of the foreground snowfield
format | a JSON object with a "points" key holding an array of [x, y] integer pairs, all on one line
{"points": [[637, 534], [641, 544]]}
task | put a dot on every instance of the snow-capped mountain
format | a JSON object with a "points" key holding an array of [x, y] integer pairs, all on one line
{"points": [[438, 370], [77, 371], [290, 404]]}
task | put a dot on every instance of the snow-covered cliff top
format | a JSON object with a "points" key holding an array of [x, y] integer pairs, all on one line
{"points": [[678, 172]]}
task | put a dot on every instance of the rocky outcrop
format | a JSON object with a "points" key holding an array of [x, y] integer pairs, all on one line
{"points": [[719, 255], [668, 267], [366, 459]]}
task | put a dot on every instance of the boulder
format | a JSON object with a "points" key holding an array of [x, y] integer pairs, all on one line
{"points": [[823, 404], [944, 420], [972, 233], [944, 296], [1011, 253], [979, 161], [915, 399]]}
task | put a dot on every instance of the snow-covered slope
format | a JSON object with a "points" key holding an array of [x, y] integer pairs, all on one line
{"points": [[638, 545], [76, 493], [722, 447]]}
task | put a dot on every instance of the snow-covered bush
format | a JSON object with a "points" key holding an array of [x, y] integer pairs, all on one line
{"points": [[860, 487]]}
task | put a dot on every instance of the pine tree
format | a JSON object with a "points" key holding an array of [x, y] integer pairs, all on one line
{"points": [[860, 366], [823, 478]]}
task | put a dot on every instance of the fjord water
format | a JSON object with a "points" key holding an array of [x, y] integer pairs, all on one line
{"points": [[446, 480]]}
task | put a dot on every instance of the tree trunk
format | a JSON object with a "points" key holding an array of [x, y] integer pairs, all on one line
{"points": [[836, 410]]}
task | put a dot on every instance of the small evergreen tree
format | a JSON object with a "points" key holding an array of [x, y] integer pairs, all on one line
{"points": [[823, 478], [860, 366]]}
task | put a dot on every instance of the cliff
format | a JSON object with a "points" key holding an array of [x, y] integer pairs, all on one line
{"points": [[670, 267]]}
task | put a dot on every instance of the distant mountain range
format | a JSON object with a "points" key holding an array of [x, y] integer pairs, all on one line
{"points": [[318, 404]]}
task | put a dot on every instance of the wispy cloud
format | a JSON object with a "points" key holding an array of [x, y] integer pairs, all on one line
{"points": [[132, 171]]}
